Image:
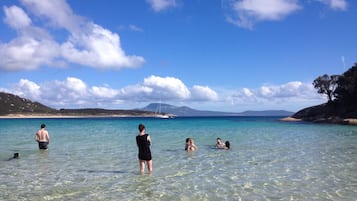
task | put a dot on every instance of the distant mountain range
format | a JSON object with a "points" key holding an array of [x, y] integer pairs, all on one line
{"points": [[187, 111], [12, 104]]}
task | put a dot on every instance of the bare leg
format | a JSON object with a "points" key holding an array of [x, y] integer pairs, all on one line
{"points": [[142, 166], [149, 164]]}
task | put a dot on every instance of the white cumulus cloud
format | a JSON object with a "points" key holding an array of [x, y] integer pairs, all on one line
{"points": [[32, 48], [168, 87], [87, 43], [203, 93], [27, 88], [291, 93], [26, 53], [74, 92], [104, 92], [247, 92], [101, 49], [248, 12], [16, 17], [75, 85], [156, 88]]}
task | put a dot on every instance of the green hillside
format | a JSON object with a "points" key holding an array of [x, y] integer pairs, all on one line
{"points": [[12, 104]]}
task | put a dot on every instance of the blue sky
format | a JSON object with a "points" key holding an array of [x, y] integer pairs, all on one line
{"points": [[226, 55]]}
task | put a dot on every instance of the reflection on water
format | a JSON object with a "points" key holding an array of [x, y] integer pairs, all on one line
{"points": [[97, 160]]}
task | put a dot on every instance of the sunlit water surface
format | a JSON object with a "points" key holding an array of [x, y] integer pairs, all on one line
{"points": [[96, 159]]}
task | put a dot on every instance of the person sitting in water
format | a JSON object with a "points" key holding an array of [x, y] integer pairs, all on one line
{"points": [[190, 145], [42, 137], [186, 146], [221, 145]]}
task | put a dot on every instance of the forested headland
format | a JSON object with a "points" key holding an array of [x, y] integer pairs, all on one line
{"points": [[341, 93]]}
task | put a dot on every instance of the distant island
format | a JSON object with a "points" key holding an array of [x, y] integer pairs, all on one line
{"points": [[341, 106], [15, 106], [187, 111]]}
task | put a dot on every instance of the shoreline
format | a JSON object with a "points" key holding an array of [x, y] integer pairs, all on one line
{"points": [[22, 116], [350, 121], [347, 121], [290, 119]]}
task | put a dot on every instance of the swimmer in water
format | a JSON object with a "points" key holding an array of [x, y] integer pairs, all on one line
{"points": [[190, 145], [42, 137]]}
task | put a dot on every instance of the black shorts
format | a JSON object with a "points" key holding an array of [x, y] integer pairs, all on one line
{"points": [[42, 145]]}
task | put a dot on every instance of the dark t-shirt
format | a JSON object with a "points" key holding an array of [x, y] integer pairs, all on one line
{"points": [[144, 147]]}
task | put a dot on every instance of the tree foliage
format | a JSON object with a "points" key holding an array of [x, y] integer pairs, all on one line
{"points": [[342, 93], [326, 84], [346, 91]]}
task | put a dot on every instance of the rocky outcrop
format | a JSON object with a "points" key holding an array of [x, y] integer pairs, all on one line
{"points": [[331, 112]]}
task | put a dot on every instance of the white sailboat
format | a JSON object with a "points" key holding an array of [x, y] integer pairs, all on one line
{"points": [[158, 113]]}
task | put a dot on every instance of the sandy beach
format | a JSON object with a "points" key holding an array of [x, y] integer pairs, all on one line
{"points": [[290, 119], [348, 121], [351, 121]]}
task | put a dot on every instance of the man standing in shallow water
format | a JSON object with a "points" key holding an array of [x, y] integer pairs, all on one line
{"points": [[42, 137]]}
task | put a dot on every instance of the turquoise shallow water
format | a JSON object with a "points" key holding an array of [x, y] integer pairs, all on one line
{"points": [[96, 159]]}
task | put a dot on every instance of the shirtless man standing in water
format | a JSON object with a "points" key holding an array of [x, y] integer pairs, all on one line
{"points": [[42, 137]]}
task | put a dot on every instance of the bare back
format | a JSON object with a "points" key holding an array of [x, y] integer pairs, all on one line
{"points": [[42, 136]]}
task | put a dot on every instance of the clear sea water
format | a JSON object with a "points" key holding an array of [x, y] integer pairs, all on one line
{"points": [[96, 159]]}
